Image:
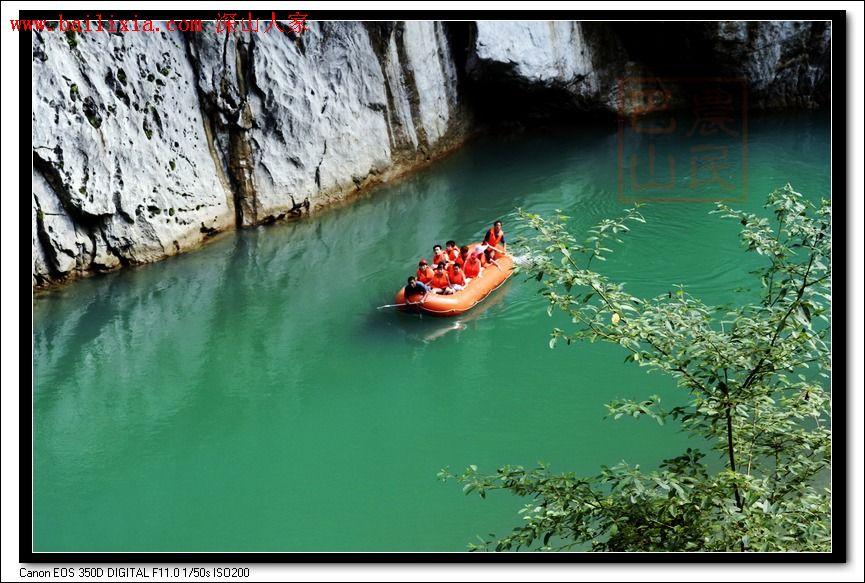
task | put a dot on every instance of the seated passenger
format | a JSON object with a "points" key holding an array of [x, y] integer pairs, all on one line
{"points": [[424, 272], [449, 269], [464, 254], [495, 241], [438, 255], [440, 283], [452, 251], [415, 291], [472, 267], [457, 277]]}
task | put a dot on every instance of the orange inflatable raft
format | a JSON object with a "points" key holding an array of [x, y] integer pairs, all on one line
{"points": [[490, 279]]}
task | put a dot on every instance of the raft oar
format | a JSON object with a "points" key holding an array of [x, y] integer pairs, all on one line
{"points": [[400, 305]]}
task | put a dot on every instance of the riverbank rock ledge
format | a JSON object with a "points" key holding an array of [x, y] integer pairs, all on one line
{"points": [[145, 145]]}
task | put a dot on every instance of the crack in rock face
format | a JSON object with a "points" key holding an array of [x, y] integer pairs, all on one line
{"points": [[146, 145]]}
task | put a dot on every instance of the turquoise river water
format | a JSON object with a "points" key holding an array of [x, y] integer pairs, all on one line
{"points": [[250, 396]]}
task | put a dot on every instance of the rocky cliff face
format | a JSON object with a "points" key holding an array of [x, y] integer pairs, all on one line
{"points": [[144, 145], [787, 64], [122, 171], [555, 68], [573, 66]]}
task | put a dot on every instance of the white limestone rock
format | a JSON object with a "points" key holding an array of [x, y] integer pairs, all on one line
{"points": [[401, 124], [547, 55], [144, 144], [538, 52], [118, 139], [300, 121], [318, 114], [66, 247], [434, 75]]}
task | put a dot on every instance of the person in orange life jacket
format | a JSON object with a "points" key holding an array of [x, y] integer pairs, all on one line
{"points": [[438, 255], [449, 269], [413, 289], [473, 267], [424, 272], [495, 239], [464, 254], [457, 277], [440, 283], [452, 251]]}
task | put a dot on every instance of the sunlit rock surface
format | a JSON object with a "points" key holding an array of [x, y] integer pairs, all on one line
{"points": [[122, 169], [144, 145]]}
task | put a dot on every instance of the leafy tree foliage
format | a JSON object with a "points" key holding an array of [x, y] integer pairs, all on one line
{"points": [[755, 375]]}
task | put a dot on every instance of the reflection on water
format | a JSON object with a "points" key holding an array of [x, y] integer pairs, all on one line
{"points": [[249, 396]]}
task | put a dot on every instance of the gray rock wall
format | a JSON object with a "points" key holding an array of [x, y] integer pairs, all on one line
{"points": [[577, 65], [122, 168], [787, 63], [538, 53], [144, 145]]}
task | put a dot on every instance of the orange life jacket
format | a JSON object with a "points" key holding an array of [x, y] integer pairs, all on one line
{"points": [[440, 281], [492, 239], [460, 260], [425, 275], [453, 254], [457, 278], [473, 267], [439, 258]]}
